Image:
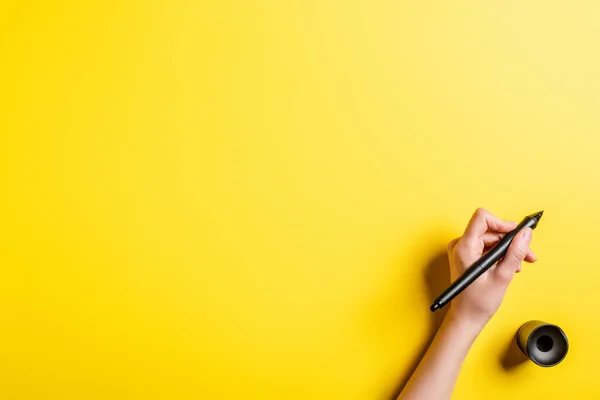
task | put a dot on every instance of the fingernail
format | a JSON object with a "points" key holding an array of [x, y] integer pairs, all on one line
{"points": [[527, 234]]}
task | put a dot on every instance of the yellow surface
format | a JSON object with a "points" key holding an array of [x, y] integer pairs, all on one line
{"points": [[239, 200]]}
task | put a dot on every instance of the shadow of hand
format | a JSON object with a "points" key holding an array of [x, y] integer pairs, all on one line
{"points": [[436, 278]]}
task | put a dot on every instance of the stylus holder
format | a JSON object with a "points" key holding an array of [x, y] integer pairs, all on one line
{"points": [[544, 344]]}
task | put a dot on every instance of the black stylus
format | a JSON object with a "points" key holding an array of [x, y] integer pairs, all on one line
{"points": [[484, 263]]}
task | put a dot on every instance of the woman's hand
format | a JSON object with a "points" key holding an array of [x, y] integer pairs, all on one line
{"points": [[478, 302], [436, 375]]}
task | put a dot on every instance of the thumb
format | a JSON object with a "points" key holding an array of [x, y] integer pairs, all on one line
{"points": [[517, 251]]}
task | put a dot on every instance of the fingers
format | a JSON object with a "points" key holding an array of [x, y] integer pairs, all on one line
{"points": [[516, 254], [483, 221], [530, 257], [491, 238]]}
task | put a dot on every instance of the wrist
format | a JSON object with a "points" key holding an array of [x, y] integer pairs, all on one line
{"points": [[467, 324]]}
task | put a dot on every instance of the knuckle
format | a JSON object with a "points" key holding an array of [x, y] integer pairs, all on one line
{"points": [[480, 211], [452, 244], [505, 275], [519, 253], [462, 249]]}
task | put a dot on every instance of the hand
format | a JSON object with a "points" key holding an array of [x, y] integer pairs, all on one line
{"points": [[478, 303], [437, 372]]}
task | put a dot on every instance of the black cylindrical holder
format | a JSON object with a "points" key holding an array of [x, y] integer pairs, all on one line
{"points": [[544, 344]]}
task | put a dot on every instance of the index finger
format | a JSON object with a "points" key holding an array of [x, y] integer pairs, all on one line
{"points": [[483, 221]]}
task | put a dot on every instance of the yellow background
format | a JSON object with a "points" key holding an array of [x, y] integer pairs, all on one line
{"points": [[244, 199]]}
